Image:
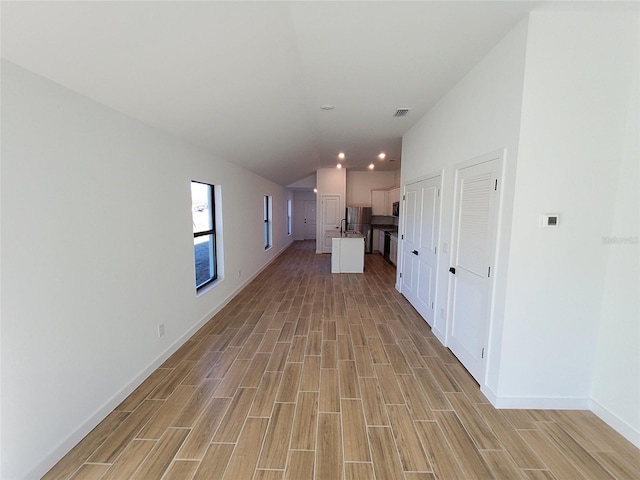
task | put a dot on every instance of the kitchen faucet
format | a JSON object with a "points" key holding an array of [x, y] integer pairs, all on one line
{"points": [[345, 225]]}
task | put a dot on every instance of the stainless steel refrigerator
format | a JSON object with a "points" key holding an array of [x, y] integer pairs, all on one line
{"points": [[359, 218]]}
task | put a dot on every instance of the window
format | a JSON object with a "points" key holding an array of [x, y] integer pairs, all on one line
{"points": [[267, 222], [204, 232], [289, 219]]}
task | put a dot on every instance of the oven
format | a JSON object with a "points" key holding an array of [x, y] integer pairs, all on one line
{"points": [[387, 246]]}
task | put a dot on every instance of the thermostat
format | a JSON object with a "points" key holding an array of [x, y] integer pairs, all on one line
{"points": [[550, 220]]}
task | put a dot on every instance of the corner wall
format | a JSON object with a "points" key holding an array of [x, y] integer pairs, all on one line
{"points": [[97, 251], [575, 120], [563, 101], [574, 288], [616, 384]]}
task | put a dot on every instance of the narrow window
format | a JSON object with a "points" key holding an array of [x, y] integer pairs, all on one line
{"points": [[267, 222], [204, 232], [289, 217]]}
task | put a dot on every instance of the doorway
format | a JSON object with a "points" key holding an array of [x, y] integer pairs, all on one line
{"points": [[420, 245], [331, 219], [309, 232]]}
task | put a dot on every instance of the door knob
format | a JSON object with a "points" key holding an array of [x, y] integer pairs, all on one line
{"points": [[452, 270], [415, 252]]}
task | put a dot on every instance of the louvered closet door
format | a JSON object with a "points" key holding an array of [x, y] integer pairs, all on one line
{"points": [[472, 259]]}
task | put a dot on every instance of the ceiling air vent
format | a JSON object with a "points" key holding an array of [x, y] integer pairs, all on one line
{"points": [[401, 112]]}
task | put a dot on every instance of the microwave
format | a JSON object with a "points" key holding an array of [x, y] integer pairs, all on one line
{"points": [[396, 209]]}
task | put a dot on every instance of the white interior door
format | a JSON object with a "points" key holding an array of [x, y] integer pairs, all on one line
{"points": [[309, 220], [331, 219], [473, 252], [420, 245]]}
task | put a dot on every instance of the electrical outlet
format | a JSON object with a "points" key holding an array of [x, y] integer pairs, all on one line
{"points": [[161, 330]]}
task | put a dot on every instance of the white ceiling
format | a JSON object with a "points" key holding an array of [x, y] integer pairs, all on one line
{"points": [[246, 80]]}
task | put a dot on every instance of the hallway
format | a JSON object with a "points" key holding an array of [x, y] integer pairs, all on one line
{"points": [[309, 375]]}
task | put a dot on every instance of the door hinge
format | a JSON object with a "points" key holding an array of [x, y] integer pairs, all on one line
{"points": [[401, 237], [496, 185], [431, 305], [435, 250], [482, 353], [489, 272], [403, 197], [400, 274], [438, 192]]}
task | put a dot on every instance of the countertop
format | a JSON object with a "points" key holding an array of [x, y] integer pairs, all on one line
{"points": [[385, 227], [348, 234]]}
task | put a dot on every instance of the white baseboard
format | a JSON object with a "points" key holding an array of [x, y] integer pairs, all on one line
{"points": [[537, 403], [615, 422], [79, 433], [565, 403], [440, 335]]}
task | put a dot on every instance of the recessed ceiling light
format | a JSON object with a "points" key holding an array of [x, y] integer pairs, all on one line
{"points": [[382, 155], [315, 190], [371, 166], [339, 165], [341, 155], [327, 107]]}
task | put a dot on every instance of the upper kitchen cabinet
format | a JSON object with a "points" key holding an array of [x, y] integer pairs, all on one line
{"points": [[380, 202], [393, 196]]}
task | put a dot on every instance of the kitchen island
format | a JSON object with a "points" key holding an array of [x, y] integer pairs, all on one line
{"points": [[347, 252]]}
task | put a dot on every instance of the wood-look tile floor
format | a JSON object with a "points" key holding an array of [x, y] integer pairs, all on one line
{"points": [[309, 375]]}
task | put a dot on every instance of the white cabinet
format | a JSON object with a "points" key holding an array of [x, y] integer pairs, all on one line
{"points": [[378, 240], [380, 202], [335, 255], [393, 250], [347, 255], [394, 196]]}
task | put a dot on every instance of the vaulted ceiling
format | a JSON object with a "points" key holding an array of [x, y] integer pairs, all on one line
{"points": [[247, 81]]}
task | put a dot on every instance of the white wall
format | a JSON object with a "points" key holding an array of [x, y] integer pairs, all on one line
{"points": [[305, 183], [563, 101], [575, 118], [479, 115], [616, 383], [97, 250], [360, 184]]}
